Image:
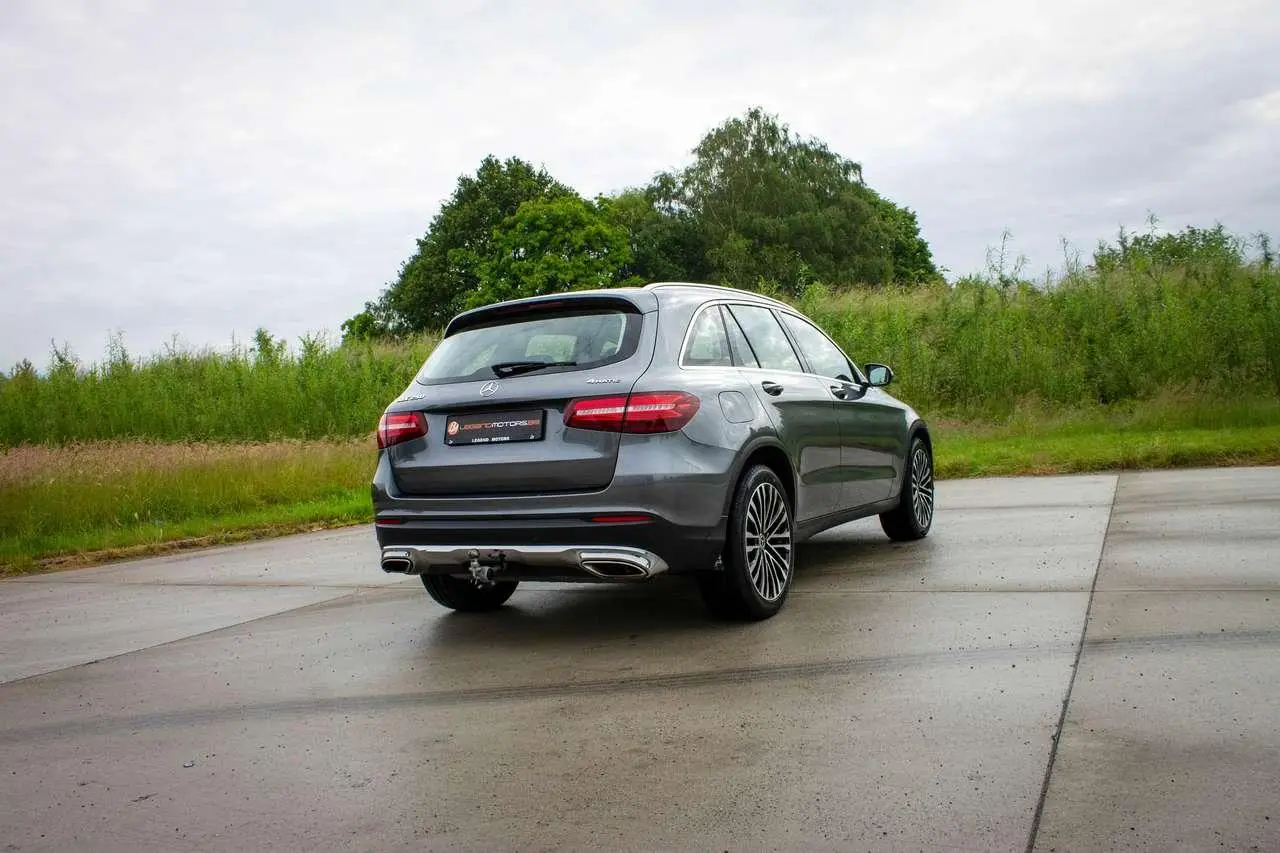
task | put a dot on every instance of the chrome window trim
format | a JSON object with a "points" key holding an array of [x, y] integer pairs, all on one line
{"points": [[688, 333], [859, 377]]}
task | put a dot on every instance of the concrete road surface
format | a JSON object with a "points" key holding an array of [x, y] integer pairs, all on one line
{"points": [[1069, 663]]}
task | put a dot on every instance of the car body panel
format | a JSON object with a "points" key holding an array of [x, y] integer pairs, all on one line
{"points": [[843, 458], [804, 418], [873, 431], [564, 459]]}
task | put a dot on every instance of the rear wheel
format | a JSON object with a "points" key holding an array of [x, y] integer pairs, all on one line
{"points": [[759, 552], [913, 516], [466, 595]]}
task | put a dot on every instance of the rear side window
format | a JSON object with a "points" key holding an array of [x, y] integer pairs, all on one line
{"points": [[564, 342], [768, 341], [707, 346], [824, 357], [742, 353]]}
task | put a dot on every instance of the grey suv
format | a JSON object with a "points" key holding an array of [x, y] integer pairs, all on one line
{"points": [[614, 435]]}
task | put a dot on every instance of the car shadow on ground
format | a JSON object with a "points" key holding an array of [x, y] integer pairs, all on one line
{"points": [[670, 606], [583, 614], [861, 555]]}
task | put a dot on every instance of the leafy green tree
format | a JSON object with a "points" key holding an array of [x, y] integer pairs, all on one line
{"points": [[772, 207], [550, 246], [1190, 247], [377, 320], [911, 256], [664, 245], [435, 283]]}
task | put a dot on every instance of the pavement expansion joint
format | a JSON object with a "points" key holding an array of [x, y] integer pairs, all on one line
{"points": [[1075, 668]]}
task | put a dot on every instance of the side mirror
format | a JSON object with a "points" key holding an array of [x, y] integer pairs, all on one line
{"points": [[879, 375]]}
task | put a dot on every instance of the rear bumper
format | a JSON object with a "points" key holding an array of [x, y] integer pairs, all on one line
{"points": [[546, 546], [679, 487], [545, 562]]}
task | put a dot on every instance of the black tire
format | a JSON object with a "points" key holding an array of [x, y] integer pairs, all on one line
{"points": [[913, 516], [757, 574], [465, 595]]}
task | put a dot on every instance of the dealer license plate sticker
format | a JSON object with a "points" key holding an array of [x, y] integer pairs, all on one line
{"points": [[495, 427]]}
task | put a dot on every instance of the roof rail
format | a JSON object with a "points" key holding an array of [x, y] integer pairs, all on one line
{"points": [[699, 285]]}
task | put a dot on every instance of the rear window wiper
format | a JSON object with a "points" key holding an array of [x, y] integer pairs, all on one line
{"points": [[515, 368]]}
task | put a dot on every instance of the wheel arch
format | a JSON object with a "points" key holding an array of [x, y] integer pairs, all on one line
{"points": [[921, 430], [772, 455], [918, 429]]}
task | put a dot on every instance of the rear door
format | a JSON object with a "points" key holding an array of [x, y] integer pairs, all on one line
{"points": [[800, 406], [494, 394], [870, 432]]}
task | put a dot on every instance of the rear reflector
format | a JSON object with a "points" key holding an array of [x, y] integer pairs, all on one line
{"points": [[621, 519], [645, 412], [395, 427]]}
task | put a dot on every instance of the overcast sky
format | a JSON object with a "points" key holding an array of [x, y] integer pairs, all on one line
{"points": [[202, 169]]}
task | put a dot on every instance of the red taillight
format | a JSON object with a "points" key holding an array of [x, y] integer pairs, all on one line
{"points": [[646, 412], [395, 427]]}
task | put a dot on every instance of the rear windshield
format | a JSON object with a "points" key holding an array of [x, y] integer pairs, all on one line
{"points": [[564, 341]]}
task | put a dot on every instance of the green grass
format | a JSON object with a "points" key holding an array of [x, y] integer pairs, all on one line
{"points": [[978, 455], [977, 350], [260, 394], [1180, 430], [86, 503], [133, 497]]}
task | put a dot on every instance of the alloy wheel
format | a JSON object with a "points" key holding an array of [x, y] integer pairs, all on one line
{"points": [[922, 486], [767, 541]]}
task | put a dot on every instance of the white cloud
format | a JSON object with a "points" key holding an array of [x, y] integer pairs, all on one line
{"points": [[204, 169]]}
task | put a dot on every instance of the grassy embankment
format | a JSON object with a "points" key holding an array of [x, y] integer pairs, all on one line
{"points": [[1132, 369]]}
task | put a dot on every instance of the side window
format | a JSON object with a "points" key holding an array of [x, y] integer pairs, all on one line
{"points": [[768, 341], [707, 346], [742, 354], [824, 357]]}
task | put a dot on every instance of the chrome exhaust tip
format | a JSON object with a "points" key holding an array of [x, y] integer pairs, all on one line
{"points": [[398, 562], [615, 565], [606, 569]]}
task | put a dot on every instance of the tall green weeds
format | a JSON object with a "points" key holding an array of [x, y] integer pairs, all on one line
{"points": [[249, 394], [1137, 326], [980, 349]]}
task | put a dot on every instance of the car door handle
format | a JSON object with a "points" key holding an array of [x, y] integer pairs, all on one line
{"points": [[773, 389], [847, 392]]}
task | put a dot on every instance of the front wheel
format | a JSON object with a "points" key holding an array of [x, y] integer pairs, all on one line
{"points": [[759, 551], [913, 516], [465, 595]]}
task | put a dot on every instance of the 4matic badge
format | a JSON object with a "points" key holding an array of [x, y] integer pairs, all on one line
{"points": [[603, 380]]}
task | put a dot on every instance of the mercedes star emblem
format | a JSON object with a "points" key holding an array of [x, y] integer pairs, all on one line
{"points": [[488, 389]]}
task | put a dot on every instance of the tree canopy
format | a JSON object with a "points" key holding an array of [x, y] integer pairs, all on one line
{"points": [[549, 246], [771, 207], [757, 206], [435, 282]]}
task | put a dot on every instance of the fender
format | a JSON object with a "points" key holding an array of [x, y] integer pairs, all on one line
{"points": [[767, 438], [917, 428]]}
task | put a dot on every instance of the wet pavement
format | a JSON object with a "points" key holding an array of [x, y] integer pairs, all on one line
{"points": [[286, 695]]}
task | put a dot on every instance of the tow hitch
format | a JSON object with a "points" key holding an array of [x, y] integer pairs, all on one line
{"points": [[482, 573]]}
